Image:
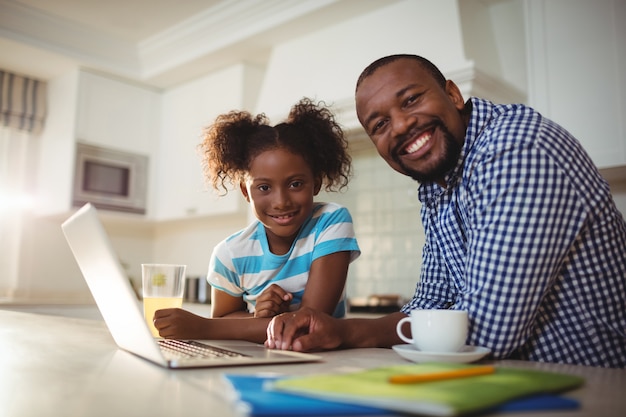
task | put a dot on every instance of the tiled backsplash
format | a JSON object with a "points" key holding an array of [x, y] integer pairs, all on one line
{"points": [[385, 211]]}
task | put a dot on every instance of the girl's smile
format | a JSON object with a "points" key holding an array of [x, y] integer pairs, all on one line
{"points": [[280, 187]]}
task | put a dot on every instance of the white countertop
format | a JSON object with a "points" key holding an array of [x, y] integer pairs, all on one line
{"points": [[65, 366], [90, 311]]}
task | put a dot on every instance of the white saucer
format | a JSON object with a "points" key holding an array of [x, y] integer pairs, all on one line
{"points": [[465, 355]]}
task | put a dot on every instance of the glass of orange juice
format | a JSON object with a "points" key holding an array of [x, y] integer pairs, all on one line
{"points": [[163, 287]]}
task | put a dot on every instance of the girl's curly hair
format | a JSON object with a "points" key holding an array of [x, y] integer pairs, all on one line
{"points": [[235, 138]]}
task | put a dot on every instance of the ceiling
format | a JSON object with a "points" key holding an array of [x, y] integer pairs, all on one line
{"points": [[157, 42]]}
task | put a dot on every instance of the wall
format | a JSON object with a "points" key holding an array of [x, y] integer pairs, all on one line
{"points": [[323, 65], [385, 210], [494, 39], [192, 241]]}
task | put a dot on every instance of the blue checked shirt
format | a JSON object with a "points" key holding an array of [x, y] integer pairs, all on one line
{"points": [[528, 240]]}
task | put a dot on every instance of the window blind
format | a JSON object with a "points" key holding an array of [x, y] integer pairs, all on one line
{"points": [[22, 102]]}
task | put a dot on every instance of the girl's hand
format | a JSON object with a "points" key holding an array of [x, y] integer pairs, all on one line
{"points": [[176, 323], [273, 301]]}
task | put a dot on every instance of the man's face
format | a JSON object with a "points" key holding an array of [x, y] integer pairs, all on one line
{"points": [[415, 124]]}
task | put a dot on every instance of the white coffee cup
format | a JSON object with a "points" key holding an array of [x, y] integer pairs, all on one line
{"points": [[436, 330]]}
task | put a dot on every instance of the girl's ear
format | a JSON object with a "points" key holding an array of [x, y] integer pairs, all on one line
{"points": [[244, 191], [318, 186]]}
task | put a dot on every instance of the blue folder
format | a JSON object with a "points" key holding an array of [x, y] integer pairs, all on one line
{"points": [[255, 399]]}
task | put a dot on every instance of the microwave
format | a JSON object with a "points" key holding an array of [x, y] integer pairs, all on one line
{"points": [[110, 179]]}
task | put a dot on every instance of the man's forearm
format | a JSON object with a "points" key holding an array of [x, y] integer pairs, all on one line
{"points": [[366, 333]]}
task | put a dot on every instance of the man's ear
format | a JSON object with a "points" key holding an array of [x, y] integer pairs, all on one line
{"points": [[244, 191], [455, 95]]}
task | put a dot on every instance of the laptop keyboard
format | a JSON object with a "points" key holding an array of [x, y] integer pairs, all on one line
{"points": [[185, 349]]}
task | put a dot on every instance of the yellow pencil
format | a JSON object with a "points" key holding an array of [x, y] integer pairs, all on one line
{"points": [[439, 376]]}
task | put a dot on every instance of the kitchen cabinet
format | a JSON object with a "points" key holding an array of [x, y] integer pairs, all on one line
{"points": [[577, 71], [56, 148], [117, 114], [181, 191], [97, 110], [165, 126], [122, 116]]}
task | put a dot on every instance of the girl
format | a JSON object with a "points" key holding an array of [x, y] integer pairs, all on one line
{"points": [[297, 252]]}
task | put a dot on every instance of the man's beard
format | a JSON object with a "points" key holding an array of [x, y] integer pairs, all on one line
{"points": [[447, 161]]}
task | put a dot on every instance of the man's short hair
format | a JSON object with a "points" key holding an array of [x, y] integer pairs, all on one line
{"points": [[381, 62]]}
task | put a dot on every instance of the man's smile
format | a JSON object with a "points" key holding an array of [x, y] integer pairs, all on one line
{"points": [[418, 143]]}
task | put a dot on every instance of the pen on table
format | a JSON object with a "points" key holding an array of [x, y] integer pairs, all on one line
{"points": [[440, 376]]}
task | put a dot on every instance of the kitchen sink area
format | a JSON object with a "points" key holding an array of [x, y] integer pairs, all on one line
{"points": [[375, 304]]}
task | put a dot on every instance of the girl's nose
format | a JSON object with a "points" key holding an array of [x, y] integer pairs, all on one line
{"points": [[281, 198]]}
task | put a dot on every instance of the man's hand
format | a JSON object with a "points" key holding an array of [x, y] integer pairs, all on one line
{"points": [[273, 301], [304, 330], [175, 323]]}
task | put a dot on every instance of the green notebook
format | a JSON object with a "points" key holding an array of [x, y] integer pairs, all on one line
{"points": [[441, 398]]}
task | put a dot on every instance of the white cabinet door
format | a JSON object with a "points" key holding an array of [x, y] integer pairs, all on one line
{"points": [[55, 169], [577, 71], [180, 188], [117, 114]]}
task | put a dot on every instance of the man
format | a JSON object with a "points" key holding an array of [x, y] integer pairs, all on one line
{"points": [[521, 229]]}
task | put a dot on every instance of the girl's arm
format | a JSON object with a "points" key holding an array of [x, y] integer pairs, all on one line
{"points": [[227, 313], [327, 279], [176, 323], [323, 291], [225, 305]]}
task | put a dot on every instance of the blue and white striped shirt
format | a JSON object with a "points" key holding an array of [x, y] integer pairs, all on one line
{"points": [[528, 240], [243, 266]]}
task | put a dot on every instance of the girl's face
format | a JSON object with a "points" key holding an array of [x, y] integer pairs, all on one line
{"points": [[280, 187]]}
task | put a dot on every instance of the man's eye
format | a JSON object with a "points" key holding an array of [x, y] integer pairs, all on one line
{"points": [[411, 99], [378, 125]]}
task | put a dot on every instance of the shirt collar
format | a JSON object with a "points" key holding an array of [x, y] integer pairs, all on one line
{"points": [[479, 110]]}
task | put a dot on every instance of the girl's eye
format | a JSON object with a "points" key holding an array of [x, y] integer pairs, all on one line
{"points": [[296, 184], [263, 187]]}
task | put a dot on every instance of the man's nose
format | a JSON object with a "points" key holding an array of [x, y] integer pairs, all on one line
{"points": [[401, 123]]}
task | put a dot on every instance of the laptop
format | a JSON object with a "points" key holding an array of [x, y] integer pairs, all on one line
{"points": [[123, 314]]}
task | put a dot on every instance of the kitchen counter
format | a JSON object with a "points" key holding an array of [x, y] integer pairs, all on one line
{"points": [[90, 311], [67, 366]]}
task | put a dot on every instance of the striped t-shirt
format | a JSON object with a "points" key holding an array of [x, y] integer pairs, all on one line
{"points": [[243, 266]]}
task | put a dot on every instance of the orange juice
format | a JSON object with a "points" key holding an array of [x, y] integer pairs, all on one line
{"points": [[152, 304]]}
